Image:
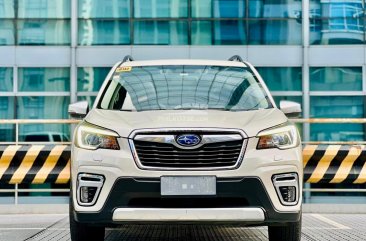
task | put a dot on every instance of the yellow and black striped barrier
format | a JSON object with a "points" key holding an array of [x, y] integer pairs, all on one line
{"points": [[334, 164], [51, 164], [35, 164]]}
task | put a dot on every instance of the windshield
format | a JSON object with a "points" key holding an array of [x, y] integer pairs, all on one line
{"points": [[184, 87]]}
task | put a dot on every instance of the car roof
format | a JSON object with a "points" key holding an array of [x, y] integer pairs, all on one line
{"points": [[184, 62]]}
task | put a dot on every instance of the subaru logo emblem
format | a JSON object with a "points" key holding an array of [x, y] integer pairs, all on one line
{"points": [[188, 140]]}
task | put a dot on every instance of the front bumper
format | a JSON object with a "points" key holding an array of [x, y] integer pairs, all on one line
{"points": [[188, 214], [239, 200]]}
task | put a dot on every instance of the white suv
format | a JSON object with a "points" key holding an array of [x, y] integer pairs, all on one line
{"points": [[185, 141]]}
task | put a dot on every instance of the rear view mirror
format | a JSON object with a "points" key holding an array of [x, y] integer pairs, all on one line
{"points": [[290, 108], [79, 109]]}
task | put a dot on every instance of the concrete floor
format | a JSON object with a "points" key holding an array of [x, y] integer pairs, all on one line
{"points": [[316, 227]]}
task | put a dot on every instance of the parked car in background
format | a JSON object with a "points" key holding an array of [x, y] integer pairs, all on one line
{"points": [[45, 137]]}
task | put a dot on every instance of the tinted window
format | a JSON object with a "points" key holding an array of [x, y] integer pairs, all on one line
{"points": [[56, 137], [35, 138], [65, 138], [184, 87]]}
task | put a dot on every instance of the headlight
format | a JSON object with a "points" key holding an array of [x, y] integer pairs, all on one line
{"points": [[92, 137], [283, 138]]}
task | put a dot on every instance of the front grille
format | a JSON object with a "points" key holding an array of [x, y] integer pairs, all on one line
{"points": [[209, 155]]}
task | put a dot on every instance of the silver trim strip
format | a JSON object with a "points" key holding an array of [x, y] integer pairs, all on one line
{"points": [[286, 183], [205, 139], [89, 183], [190, 214], [143, 132]]}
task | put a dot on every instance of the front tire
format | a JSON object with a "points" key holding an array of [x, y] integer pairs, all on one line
{"points": [[290, 232], [82, 231]]}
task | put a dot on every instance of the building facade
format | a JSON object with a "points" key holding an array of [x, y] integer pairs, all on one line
{"points": [[56, 52]]}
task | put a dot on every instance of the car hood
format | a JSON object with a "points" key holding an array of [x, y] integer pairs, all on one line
{"points": [[251, 122]]}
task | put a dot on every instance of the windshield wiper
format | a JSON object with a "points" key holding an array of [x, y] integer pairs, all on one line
{"points": [[202, 109], [127, 110]]}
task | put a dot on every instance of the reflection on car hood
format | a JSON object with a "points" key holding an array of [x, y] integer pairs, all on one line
{"points": [[251, 122]]}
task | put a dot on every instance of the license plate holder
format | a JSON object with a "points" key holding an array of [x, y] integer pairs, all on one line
{"points": [[188, 185]]}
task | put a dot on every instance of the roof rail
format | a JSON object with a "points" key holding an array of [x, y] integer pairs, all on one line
{"points": [[127, 58], [236, 58]]}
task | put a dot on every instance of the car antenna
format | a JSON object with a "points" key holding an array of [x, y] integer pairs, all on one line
{"points": [[236, 58], [127, 58]]}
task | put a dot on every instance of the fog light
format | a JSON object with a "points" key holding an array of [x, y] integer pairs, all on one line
{"points": [[287, 188], [288, 194], [87, 194], [89, 187]]}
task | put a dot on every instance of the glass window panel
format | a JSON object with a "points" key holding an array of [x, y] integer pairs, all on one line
{"points": [[275, 8], [7, 132], [7, 111], [315, 26], [91, 79], [6, 79], [201, 33], [7, 9], [337, 107], [43, 32], [44, 8], [39, 107], [336, 78], [44, 79], [345, 24], [337, 132], [337, 31], [228, 8], [275, 32], [201, 8], [43, 107], [160, 8], [103, 32], [44, 133], [338, 9], [7, 108], [218, 8], [7, 32], [104, 9], [161, 32], [228, 32], [282, 78]]}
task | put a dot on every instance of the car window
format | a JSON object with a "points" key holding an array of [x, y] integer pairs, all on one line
{"points": [[184, 87], [56, 137], [37, 138], [65, 138]]}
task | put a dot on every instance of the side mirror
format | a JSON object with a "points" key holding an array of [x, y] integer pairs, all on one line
{"points": [[79, 109], [290, 108]]}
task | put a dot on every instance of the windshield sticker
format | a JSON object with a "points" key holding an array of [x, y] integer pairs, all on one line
{"points": [[123, 69]]}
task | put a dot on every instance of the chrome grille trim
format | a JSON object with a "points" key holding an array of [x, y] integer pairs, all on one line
{"points": [[150, 136], [170, 139]]}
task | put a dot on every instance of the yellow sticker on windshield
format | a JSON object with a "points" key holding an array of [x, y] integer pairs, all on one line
{"points": [[124, 69]]}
